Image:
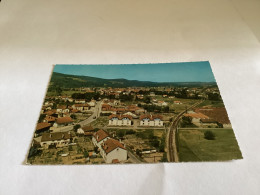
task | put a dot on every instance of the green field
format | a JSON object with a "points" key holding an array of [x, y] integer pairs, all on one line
{"points": [[193, 146], [211, 103]]}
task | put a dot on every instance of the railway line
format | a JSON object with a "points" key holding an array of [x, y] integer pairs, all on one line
{"points": [[172, 147]]}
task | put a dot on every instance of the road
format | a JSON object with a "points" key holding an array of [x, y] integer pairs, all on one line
{"points": [[172, 147], [133, 158], [93, 117]]}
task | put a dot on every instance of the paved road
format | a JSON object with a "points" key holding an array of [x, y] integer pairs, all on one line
{"points": [[94, 116], [172, 152], [133, 158]]}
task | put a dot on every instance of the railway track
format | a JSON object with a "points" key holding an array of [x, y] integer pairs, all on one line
{"points": [[172, 147]]}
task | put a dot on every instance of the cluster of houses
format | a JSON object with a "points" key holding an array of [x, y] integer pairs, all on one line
{"points": [[112, 150], [209, 116], [147, 120]]}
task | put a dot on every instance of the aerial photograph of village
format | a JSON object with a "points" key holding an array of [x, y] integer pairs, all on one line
{"points": [[134, 113]]}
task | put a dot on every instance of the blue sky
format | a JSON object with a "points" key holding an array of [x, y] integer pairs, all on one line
{"points": [[165, 72]]}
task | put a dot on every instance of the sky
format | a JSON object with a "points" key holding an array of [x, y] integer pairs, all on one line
{"points": [[165, 72]]}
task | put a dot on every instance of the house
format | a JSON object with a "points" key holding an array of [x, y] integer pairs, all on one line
{"points": [[42, 127], [120, 120], [106, 107], [59, 139], [80, 101], [99, 137], [113, 151], [62, 109], [162, 103], [131, 114], [151, 120], [140, 96], [208, 123], [49, 119], [81, 107], [218, 114], [92, 103], [63, 121], [114, 102], [86, 130], [51, 113], [196, 117]]}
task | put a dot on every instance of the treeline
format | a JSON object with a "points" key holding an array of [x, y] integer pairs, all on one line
{"points": [[87, 96], [155, 108]]}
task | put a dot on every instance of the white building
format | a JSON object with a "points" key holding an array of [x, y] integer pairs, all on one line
{"points": [[151, 120], [92, 103], [80, 101], [120, 120], [99, 137], [113, 151]]}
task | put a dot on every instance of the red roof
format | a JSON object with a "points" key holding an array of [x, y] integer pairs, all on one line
{"points": [[82, 105], [100, 135], [217, 114], [115, 161], [42, 126], [111, 144], [151, 117], [55, 136], [64, 120], [50, 112], [87, 128], [50, 118], [63, 107], [120, 117]]}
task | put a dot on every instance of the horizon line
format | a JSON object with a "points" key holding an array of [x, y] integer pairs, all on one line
{"points": [[140, 80]]}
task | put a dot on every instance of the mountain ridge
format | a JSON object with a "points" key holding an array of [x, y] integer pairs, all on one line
{"points": [[76, 81]]}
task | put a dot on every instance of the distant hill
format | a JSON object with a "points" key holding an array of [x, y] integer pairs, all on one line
{"points": [[74, 81]]}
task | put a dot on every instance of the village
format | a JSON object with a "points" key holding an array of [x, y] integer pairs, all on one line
{"points": [[120, 125]]}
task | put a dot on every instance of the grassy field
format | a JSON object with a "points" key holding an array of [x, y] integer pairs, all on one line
{"points": [[178, 107], [211, 103], [101, 121], [194, 147]]}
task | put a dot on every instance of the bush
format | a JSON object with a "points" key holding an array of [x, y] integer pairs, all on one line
{"points": [[138, 152], [76, 127], [164, 157], [86, 154], [209, 135]]}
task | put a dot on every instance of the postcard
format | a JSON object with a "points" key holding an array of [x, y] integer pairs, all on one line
{"points": [[132, 113]]}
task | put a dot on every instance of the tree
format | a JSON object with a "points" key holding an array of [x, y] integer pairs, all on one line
{"points": [[147, 100], [86, 154], [138, 152], [209, 135], [164, 157], [76, 127], [96, 149], [70, 148], [121, 133], [73, 116], [33, 151], [58, 90], [42, 116]]}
